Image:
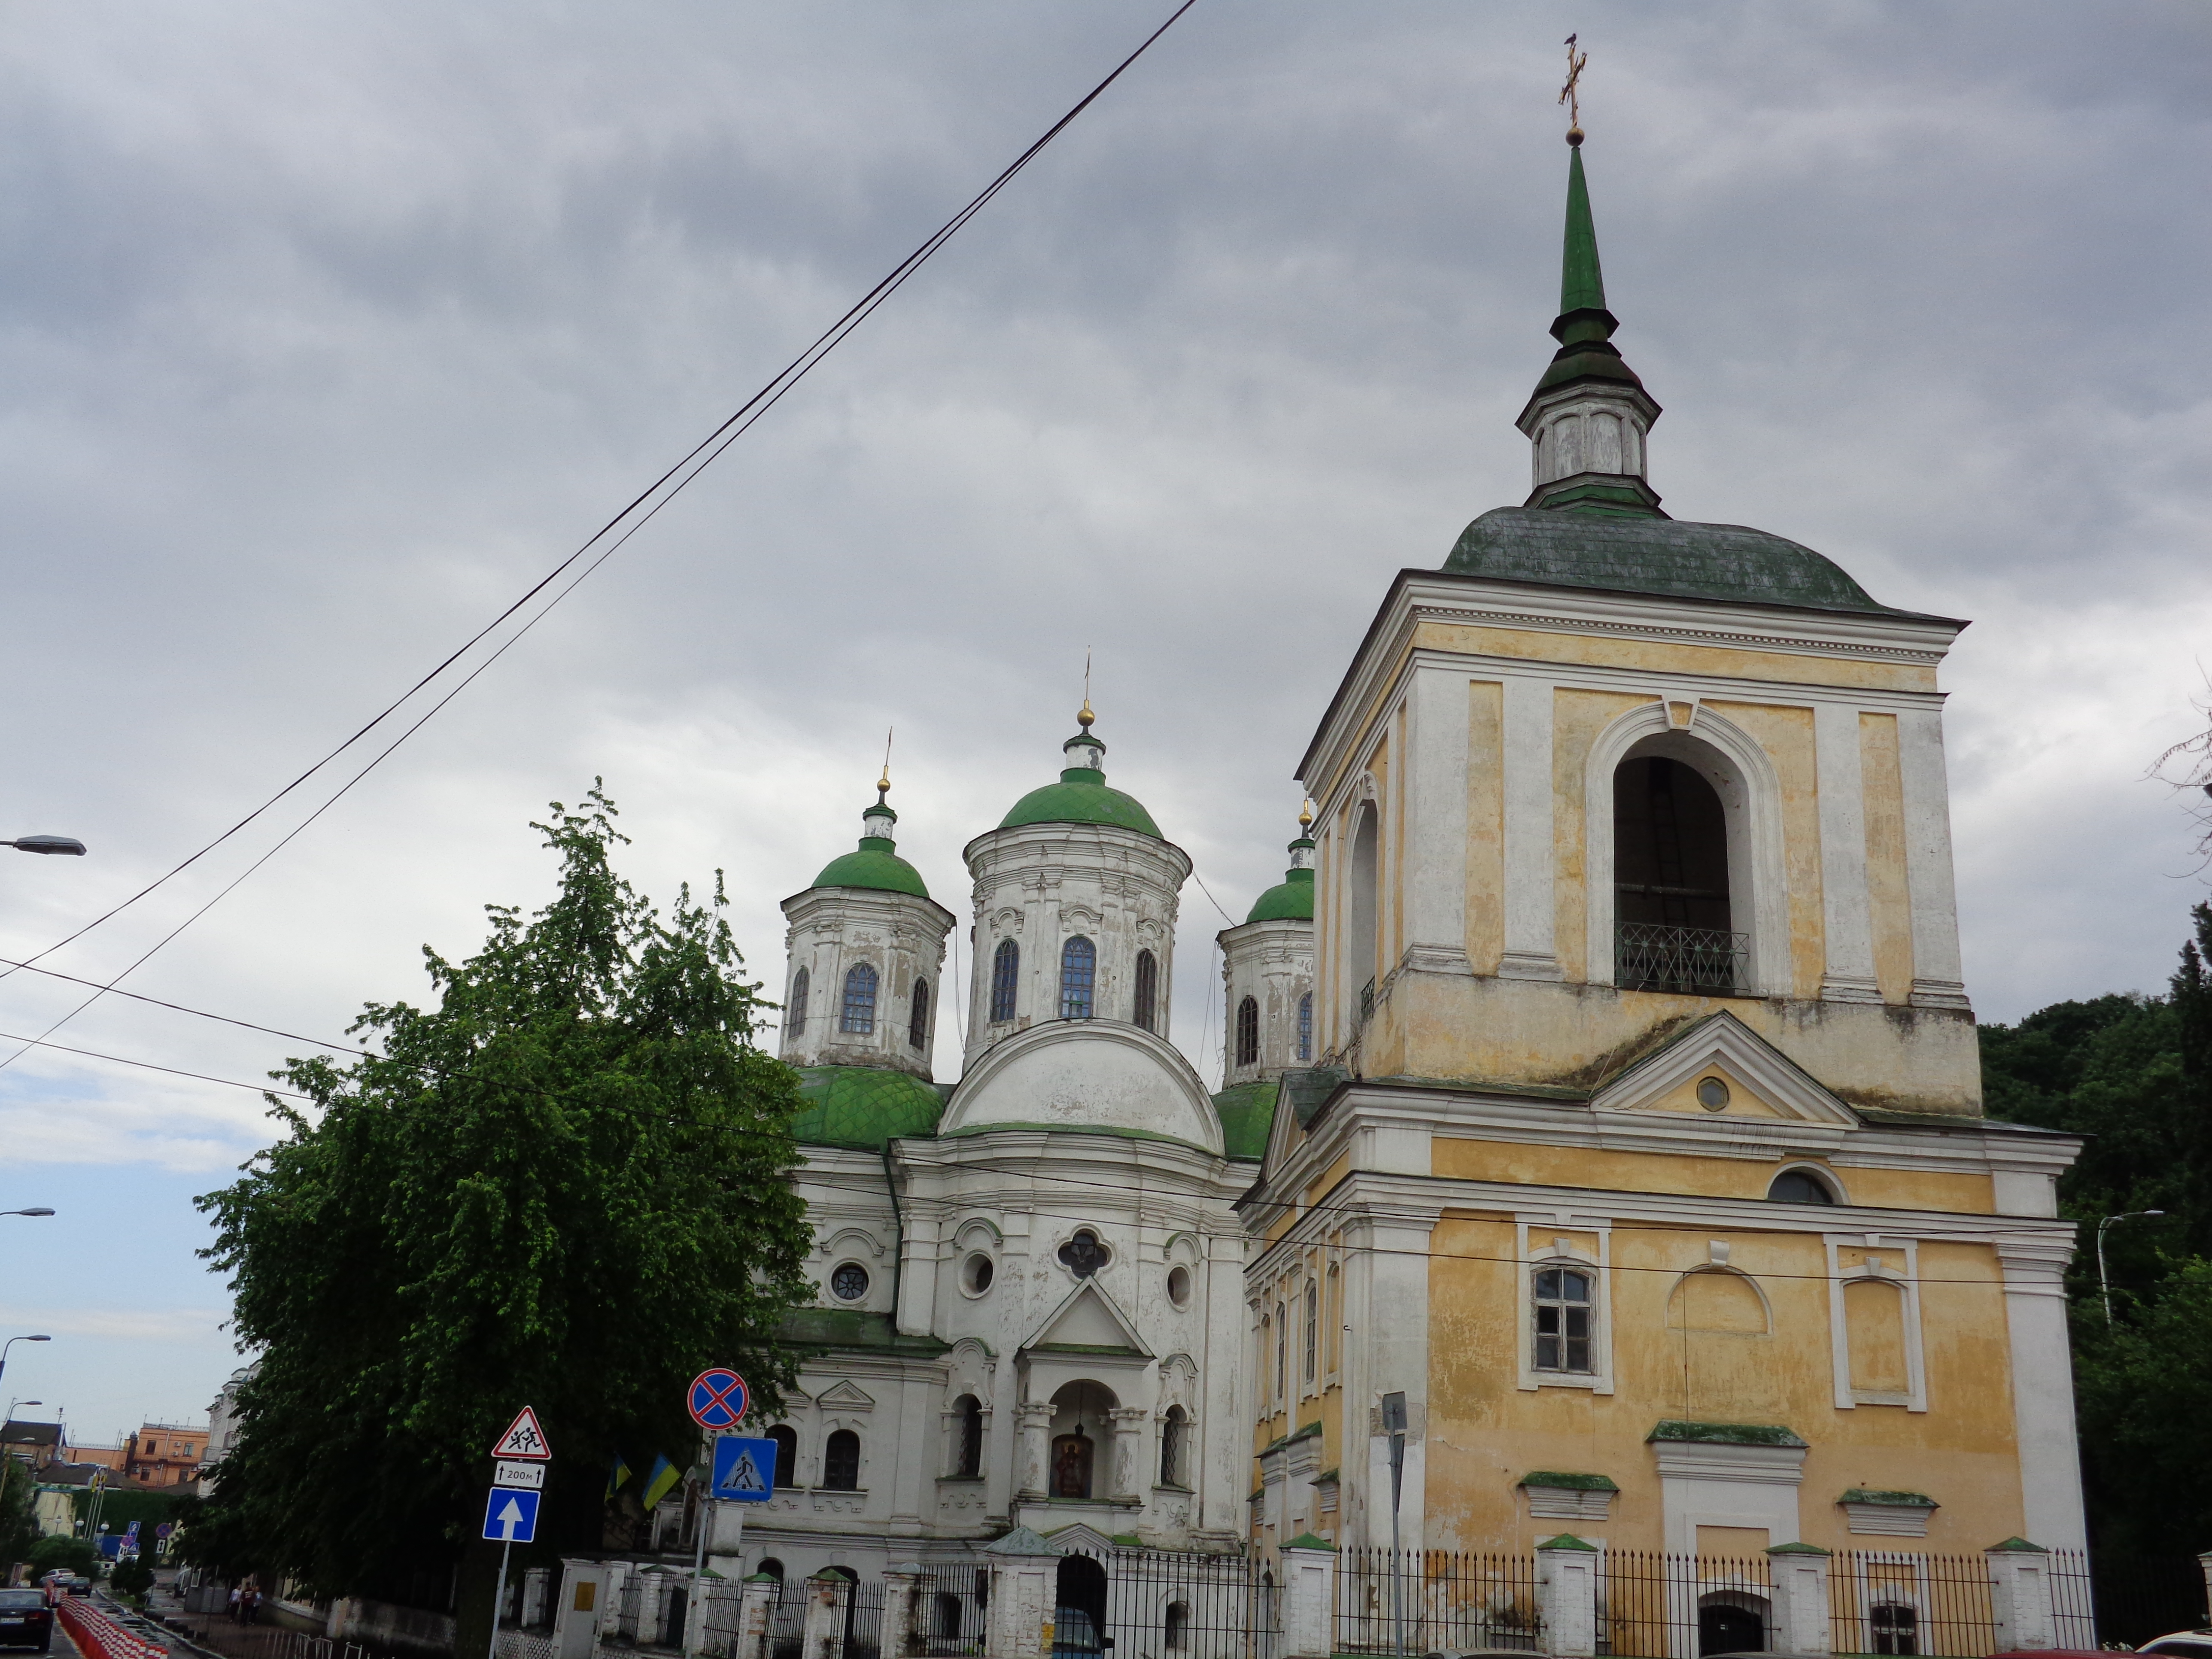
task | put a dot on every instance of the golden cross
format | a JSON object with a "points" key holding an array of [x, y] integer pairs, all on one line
{"points": [[1568, 94]]}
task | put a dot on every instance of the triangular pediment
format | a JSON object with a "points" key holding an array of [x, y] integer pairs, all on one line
{"points": [[1083, 1538], [844, 1395], [1089, 1321], [1759, 1080]]}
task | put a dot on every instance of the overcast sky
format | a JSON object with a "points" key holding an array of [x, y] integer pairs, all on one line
{"points": [[324, 330]]}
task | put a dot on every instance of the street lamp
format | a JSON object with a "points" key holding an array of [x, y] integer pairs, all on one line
{"points": [[10, 1343], [69, 844], [40, 1210], [2105, 1285]]}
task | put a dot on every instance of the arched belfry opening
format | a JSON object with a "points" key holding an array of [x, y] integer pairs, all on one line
{"points": [[1366, 836], [1675, 918]]}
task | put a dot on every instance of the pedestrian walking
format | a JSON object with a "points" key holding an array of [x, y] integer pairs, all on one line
{"points": [[236, 1592]]}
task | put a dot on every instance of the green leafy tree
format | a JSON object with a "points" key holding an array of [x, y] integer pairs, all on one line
{"points": [[73, 1555], [564, 1185], [19, 1530], [133, 1576]]}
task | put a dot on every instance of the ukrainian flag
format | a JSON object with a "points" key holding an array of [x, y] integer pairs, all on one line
{"points": [[617, 1476], [659, 1484]]}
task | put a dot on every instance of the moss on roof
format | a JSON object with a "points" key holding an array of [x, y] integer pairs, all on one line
{"points": [[1290, 899], [1248, 1114], [863, 1107], [850, 1327], [1636, 554], [1724, 1434], [873, 866], [1082, 796]]}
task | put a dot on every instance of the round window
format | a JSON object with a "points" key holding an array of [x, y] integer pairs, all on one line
{"points": [[849, 1283], [1712, 1094], [1179, 1286], [977, 1273]]}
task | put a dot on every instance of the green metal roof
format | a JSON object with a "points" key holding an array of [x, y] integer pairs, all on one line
{"points": [[1246, 1114], [864, 1107], [1639, 554], [1081, 796], [850, 1328], [874, 866], [1290, 899], [1582, 282]]}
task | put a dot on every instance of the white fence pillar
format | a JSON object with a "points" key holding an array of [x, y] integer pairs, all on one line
{"points": [[536, 1598], [761, 1593], [905, 1633], [825, 1618], [1024, 1590], [2020, 1595], [1798, 1576], [1309, 1599], [1567, 1594], [584, 1603], [2204, 1565]]}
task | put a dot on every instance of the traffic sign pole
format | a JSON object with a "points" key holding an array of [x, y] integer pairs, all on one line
{"points": [[499, 1597], [695, 1619]]}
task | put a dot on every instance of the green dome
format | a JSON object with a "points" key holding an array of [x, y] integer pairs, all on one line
{"points": [[1081, 796], [1292, 900], [864, 1107], [874, 866], [1634, 554]]}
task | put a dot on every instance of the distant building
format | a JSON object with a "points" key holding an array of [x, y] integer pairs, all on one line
{"points": [[36, 1444], [106, 1457], [223, 1425], [165, 1454]]}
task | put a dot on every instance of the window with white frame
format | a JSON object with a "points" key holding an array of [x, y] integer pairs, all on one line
{"points": [[1563, 1329]]}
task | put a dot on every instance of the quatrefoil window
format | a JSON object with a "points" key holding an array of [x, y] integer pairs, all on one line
{"points": [[1083, 1254]]}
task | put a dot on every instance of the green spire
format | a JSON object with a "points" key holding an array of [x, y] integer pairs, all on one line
{"points": [[1582, 283]]}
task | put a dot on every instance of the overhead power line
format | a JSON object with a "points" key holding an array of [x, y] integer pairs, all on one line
{"points": [[608, 538]]}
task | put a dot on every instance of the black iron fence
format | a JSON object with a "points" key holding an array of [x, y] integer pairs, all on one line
{"points": [[955, 1603], [1692, 961], [2141, 1598], [1421, 1601], [1172, 1604]]}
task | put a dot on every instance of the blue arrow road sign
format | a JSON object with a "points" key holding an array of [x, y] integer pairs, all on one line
{"points": [[510, 1516], [744, 1469]]}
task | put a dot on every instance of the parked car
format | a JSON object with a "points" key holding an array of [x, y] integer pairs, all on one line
{"points": [[1075, 1637], [2182, 1644], [26, 1620]]}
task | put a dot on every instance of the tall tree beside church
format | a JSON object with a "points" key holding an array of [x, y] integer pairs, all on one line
{"points": [[564, 1185]]}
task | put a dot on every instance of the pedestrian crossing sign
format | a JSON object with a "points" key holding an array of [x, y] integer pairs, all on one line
{"points": [[744, 1469]]}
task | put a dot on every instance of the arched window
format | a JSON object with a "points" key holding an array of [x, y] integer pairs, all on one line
{"points": [[1361, 937], [1148, 990], [1247, 1031], [769, 1564], [1305, 1026], [794, 1019], [1799, 1187], [1563, 1320], [1896, 1627], [840, 1461], [917, 1028], [1334, 1308], [1171, 1433], [1313, 1329], [1175, 1630], [859, 1014], [787, 1454], [969, 1463], [1282, 1352], [1005, 975], [1079, 976], [1670, 869]]}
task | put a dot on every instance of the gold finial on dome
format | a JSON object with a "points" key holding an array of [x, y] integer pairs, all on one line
{"points": [[1306, 815], [883, 783], [1084, 716]]}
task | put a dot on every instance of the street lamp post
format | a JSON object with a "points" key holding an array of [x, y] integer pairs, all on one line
{"points": [[14, 1403], [48, 844], [2105, 1285], [10, 1343], [40, 1210]]}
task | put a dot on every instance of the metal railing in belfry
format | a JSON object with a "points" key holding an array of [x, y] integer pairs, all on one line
{"points": [[1696, 961]]}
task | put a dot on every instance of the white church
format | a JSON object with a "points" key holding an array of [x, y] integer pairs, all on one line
{"points": [[1032, 1305]]}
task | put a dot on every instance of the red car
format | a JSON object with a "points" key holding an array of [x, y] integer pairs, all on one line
{"points": [[26, 1620]]}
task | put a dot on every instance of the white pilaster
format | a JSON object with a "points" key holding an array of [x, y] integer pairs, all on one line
{"points": [[1531, 859], [2043, 1389], [2019, 1597], [1436, 825], [1937, 976], [1566, 1592], [1844, 912]]}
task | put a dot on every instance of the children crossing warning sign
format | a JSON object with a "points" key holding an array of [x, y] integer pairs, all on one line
{"points": [[523, 1438], [744, 1469]]}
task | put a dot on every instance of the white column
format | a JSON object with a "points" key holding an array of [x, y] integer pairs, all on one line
{"points": [[2020, 1596], [1845, 914], [1130, 1425], [1531, 861], [1397, 1343], [1435, 883], [2043, 1389], [1798, 1576], [1034, 1453], [1937, 977], [1567, 1594], [1309, 1606]]}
